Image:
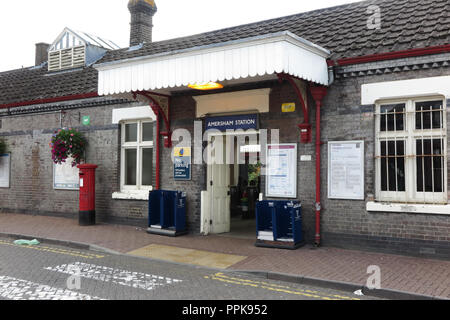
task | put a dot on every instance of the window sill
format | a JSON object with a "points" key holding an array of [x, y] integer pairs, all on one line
{"points": [[408, 208], [131, 195]]}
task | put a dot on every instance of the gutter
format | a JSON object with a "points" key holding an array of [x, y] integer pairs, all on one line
{"points": [[391, 55]]}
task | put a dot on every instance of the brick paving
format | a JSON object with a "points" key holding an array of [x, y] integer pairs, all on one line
{"points": [[403, 273]]}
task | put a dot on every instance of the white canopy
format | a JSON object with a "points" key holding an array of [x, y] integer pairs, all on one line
{"points": [[281, 52]]}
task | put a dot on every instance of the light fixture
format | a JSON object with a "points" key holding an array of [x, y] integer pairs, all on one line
{"points": [[206, 86]]}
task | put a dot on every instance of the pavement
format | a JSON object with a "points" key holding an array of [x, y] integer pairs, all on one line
{"points": [[402, 277]]}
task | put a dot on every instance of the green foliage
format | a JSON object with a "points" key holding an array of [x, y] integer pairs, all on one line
{"points": [[254, 171], [2, 146]]}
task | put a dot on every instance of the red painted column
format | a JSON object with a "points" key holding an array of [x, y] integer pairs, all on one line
{"points": [[318, 94], [158, 142]]}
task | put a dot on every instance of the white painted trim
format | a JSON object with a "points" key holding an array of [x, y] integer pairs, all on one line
{"points": [[248, 58], [233, 44], [135, 113], [371, 93], [408, 208], [205, 200], [131, 195]]}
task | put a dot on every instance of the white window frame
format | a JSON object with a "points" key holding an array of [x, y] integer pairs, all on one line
{"points": [[139, 145], [410, 135]]}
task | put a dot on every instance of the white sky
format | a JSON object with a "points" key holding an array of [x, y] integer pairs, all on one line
{"points": [[26, 22]]}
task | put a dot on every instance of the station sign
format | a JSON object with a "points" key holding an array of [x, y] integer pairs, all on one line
{"points": [[243, 122]]}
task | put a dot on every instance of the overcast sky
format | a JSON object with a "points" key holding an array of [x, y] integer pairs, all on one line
{"points": [[26, 22]]}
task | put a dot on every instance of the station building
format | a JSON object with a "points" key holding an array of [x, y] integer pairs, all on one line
{"points": [[353, 97]]}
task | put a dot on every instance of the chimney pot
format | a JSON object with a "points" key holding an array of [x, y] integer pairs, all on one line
{"points": [[142, 12]]}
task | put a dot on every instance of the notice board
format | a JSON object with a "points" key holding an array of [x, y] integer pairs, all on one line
{"points": [[66, 177], [281, 172], [5, 170], [346, 170], [182, 162]]}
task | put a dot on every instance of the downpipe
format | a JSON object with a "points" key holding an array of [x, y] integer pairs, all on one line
{"points": [[318, 206], [318, 93]]}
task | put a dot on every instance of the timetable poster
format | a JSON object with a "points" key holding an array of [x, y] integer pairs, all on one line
{"points": [[281, 180], [346, 170]]}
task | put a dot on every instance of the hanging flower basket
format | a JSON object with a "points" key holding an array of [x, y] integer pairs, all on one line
{"points": [[2, 146], [68, 143]]}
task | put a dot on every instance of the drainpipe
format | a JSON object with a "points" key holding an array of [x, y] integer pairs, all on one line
{"points": [[318, 94], [158, 120]]}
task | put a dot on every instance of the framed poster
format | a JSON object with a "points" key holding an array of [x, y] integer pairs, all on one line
{"points": [[346, 170], [182, 164], [66, 177], [5, 170], [281, 172]]}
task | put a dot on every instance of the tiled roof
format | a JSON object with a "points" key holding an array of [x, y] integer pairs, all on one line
{"points": [[343, 30], [29, 84]]}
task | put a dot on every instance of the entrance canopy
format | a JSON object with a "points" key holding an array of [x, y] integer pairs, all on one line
{"points": [[254, 57]]}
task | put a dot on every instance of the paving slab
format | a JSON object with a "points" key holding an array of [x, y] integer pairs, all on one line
{"points": [[415, 275]]}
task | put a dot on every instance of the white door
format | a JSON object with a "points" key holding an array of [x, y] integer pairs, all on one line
{"points": [[219, 186]]}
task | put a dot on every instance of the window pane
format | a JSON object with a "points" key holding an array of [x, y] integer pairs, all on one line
{"points": [[147, 167], [401, 166], [429, 115], [131, 132], [430, 165], [147, 131], [392, 117], [130, 167], [384, 159], [393, 166]]}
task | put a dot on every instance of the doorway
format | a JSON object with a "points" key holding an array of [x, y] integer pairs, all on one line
{"points": [[234, 183]]}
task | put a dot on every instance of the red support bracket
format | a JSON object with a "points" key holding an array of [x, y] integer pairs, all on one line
{"points": [[160, 113], [305, 127]]}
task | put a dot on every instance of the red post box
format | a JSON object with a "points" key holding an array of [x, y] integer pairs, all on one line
{"points": [[305, 133], [87, 194]]}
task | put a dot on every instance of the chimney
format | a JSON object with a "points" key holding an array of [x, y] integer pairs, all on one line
{"points": [[41, 53], [142, 12]]}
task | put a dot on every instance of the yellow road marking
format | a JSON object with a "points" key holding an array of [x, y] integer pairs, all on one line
{"points": [[56, 250], [278, 288]]}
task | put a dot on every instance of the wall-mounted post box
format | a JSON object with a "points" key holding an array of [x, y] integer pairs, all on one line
{"points": [[305, 133], [87, 194]]}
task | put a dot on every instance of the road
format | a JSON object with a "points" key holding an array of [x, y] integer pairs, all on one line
{"points": [[50, 272]]}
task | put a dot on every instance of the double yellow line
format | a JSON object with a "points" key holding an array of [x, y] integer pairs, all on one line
{"points": [[277, 288], [55, 250]]}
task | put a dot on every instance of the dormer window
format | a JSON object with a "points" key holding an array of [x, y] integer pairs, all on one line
{"points": [[76, 50], [67, 58]]}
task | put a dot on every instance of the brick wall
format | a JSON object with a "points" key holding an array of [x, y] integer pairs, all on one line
{"points": [[344, 223], [347, 223], [31, 190]]}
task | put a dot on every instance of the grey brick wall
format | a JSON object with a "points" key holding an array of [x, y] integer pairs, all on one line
{"points": [[344, 223], [31, 190], [347, 223]]}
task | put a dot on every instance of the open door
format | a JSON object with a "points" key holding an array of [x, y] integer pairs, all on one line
{"points": [[219, 187]]}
